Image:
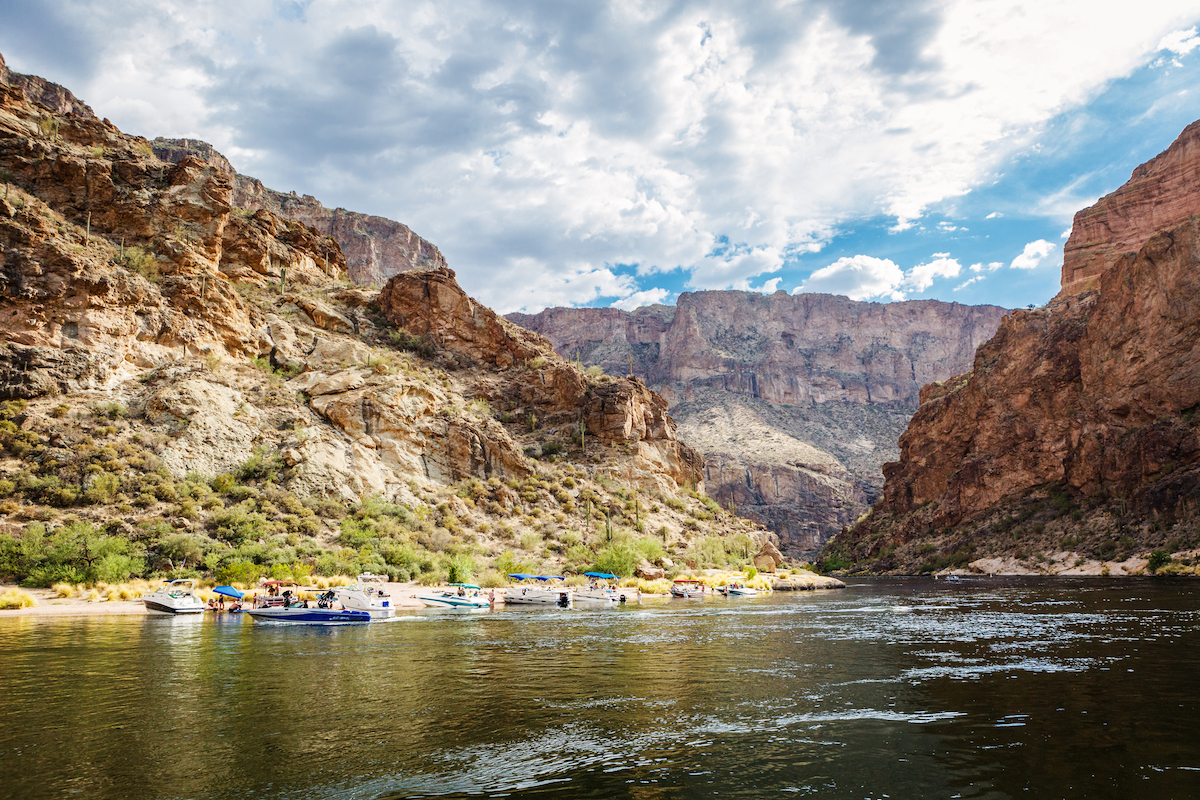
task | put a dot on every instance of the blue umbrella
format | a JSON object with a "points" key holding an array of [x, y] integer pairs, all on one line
{"points": [[229, 591]]}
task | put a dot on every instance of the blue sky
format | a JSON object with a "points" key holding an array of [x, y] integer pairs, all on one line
{"points": [[622, 152]]}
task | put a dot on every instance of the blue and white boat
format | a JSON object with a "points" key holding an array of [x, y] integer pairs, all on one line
{"points": [[363, 601], [463, 596], [598, 592]]}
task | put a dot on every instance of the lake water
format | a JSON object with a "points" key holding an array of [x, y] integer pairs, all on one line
{"points": [[909, 688]]}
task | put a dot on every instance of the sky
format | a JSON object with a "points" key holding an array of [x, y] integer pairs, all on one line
{"points": [[594, 154]]}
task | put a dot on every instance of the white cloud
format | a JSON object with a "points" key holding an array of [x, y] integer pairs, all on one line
{"points": [[714, 137], [1033, 254], [989, 267], [1065, 234], [644, 298], [968, 282], [994, 215], [1180, 43], [857, 277], [920, 277]]}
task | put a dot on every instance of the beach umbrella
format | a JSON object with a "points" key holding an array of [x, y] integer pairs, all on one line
{"points": [[229, 591]]}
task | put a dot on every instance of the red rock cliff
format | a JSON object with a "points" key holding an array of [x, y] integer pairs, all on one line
{"points": [[1091, 399]]}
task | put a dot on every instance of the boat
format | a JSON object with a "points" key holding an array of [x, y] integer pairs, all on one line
{"points": [[736, 590], [688, 589], [176, 597], [367, 594], [465, 596], [598, 592], [282, 604], [538, 590]]}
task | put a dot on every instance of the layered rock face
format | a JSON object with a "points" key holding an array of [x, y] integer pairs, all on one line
{"points": [[1159, 195], [112, 261], [612, 411], [375, 248], [795, 400], [1091, 400]]}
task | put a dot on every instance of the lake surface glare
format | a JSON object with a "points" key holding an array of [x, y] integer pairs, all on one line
{"points": [[892, 688]]}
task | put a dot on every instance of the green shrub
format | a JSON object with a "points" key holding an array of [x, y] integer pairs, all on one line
{"points": [[1158, 559], [619, 559], [460, 569]]}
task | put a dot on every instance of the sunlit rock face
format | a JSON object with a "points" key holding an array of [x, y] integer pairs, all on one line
{"points": [[375, 248], [795, 400], [1095, 394]]}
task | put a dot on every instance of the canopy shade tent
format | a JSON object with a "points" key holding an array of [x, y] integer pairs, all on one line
{"points": [[603, 575], [229, 591]]}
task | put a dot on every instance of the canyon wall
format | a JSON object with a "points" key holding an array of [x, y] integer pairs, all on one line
{"points": [[795, 400], [1078, 418], [376, 248]]}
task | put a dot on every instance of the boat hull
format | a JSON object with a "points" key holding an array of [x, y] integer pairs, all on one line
{"points": [[561, 598], [156, 607], [310, 616], [453, 601]]}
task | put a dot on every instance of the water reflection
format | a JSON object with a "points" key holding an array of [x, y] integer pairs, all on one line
{"points": [[905, 688]]}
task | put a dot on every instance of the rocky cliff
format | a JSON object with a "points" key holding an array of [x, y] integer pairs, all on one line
{"points": [[795, 400], [1073, 439], [182, 378], [375, 248]]}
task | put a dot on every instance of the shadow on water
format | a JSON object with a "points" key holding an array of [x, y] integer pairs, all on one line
{"points": [[900, 688]]}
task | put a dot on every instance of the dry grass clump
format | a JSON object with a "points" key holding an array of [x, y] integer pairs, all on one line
{"points": [[16, 598], [63, 589], [660, 586]]}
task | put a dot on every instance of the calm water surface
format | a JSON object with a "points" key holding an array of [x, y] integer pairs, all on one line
{"points": [[891, 688]]}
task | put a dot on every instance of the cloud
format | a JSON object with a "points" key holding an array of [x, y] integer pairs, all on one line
{"points": [[921, 277], [994, 215], [968, 282], [1180, 43], [857, 277], [644, 298], [545, 142], [1033, 255], [989, 267]]}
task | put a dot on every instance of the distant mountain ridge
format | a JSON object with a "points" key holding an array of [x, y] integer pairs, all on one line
{"points": [[795, 400]]}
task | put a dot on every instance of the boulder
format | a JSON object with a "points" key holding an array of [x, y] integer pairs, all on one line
{"points": [[647, 571]]}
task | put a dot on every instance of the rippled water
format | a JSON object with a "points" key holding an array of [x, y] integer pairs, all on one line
{"points": [[891, 688]]}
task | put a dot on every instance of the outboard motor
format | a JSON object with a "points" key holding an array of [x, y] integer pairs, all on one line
{"points": [[326, 599], [563, 600], [622, 599]]}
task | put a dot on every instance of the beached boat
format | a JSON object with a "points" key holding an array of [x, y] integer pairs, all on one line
{"points": [[283, 605], [465, 596], [598, 592], [367, 594], [176, 597], [538, 590], [688, 589], [736, 590]]}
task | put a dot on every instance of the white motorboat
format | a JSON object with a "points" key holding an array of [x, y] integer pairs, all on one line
{"points": [[176, 597], [599, 592], [688, 589], [736, 590], [464, 596], [367, 594], [538, 590]]}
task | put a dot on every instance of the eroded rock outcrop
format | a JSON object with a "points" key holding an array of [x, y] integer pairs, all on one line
{"points": [[375, 248], [1087, 405], [537, 384]]}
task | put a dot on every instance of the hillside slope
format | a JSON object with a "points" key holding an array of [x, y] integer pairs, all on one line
{"points": [[187, 386]]}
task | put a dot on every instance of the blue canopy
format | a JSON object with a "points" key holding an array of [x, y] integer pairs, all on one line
{"points": [[523, 576], [603, 575], [466, 585], [229, 591]]}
